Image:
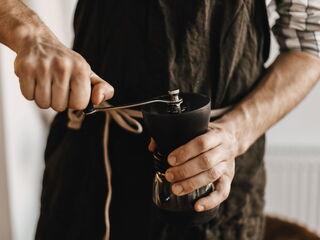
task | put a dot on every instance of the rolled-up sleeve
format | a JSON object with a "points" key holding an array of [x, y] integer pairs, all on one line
{"points": [[298, 25]]}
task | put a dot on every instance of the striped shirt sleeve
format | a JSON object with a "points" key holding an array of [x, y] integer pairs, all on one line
{"points": [[298, 25]]}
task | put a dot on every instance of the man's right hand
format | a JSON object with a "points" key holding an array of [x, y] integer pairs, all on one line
{"points": [[49, 73], [57, 77]]}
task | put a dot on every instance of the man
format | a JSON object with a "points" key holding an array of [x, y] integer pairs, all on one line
{"points": [[144, 48]]}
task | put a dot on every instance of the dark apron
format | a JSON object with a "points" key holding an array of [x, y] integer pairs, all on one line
{"points": [[143, 48]]}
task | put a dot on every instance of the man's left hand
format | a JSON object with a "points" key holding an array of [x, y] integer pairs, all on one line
{"points": [[209, 158]]}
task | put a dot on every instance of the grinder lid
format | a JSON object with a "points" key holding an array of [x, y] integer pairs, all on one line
{"points": [[171, 130], [190, 102]]}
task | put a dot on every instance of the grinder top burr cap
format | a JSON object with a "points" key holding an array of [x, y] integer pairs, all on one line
{"points": [[172, 125], [176, 101]]}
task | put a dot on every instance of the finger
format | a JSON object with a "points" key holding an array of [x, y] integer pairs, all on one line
{"points": [[220, 194], [60, 91], [43, 86], [200, 180], [80, 90], [194, 148], [201, 163], [25, 71], [27, 86], [101, 90], [152, 145]]}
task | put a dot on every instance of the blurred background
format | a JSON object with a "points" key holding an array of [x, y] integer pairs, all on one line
{"points": [[292, 159]]}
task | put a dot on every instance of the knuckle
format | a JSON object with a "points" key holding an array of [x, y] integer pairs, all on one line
{"points": [[106, 86], [43, 66], [213, 174], [77, 56], [190, 186], [59, 85], [42, 85], [28, 64], [181, 172], [24, 67], [77, 105], [59, 108], [43, 104], [60, 71], [27, 94], [61, 65], [202, 144], [205, 161], [80, 64], [181, 154]]}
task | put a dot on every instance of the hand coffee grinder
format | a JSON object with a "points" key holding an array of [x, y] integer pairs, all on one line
{"points": [[172, 121], [172, 125]]}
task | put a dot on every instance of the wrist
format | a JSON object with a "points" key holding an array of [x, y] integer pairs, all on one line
{"points": [[23, 28], [28, 36], [235, 124]]}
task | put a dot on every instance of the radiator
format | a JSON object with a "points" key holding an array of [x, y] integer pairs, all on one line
{"points": [[293, 185]]}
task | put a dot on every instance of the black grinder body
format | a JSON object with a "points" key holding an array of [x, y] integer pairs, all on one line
{"points": [[170, 131]]}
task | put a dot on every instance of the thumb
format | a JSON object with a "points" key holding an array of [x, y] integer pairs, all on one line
{"points": [[101, 90]]}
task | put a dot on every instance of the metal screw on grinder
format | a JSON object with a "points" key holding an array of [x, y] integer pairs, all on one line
{"points": [[175, 106]]}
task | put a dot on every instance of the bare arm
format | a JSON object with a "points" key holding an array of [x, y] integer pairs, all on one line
{"points": [[49, 73], [289, 80], [19, 24]]}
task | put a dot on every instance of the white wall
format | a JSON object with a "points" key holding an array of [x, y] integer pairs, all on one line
{"points": [[5, 229], [24, 133]]}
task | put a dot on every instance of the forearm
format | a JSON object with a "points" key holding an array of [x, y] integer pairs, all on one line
{"points": [[19, 26], [288, 81]]}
